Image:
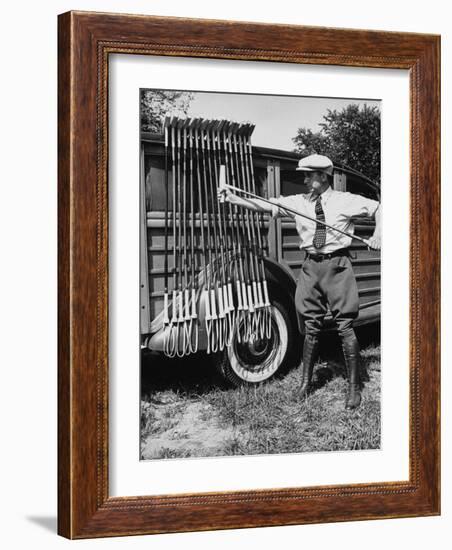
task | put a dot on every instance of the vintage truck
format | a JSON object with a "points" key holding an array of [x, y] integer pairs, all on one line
{"points": [[259, 359]]}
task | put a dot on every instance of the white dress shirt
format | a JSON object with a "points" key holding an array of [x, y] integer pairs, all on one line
{"points": [[339, 207]]}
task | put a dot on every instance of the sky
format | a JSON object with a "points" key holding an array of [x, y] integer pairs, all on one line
{"points": [[277, 118]]}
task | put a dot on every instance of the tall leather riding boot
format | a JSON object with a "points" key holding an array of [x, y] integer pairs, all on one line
{"points": [[310, 353], [350, 348]]}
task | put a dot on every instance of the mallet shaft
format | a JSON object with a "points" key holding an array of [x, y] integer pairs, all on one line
{"points": [[297, 213]]}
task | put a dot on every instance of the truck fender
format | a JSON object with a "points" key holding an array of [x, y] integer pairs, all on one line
{"points": [[280, 280]]}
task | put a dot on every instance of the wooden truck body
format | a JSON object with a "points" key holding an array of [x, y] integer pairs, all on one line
{"points": [[275, 175]]}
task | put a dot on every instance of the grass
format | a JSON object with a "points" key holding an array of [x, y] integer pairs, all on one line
{"points": [[266, 419], [272, 419]]}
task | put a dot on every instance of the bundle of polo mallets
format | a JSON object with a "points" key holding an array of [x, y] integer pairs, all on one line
{"points": [[221, 264]]}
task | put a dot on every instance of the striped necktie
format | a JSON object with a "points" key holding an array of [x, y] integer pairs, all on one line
{"points": [[320, 230]]}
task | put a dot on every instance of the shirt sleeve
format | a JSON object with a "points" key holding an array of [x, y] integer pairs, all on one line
{"points": [[291, 201], [357, 205]]}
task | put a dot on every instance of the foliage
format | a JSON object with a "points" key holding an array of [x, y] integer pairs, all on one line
{"points": [[155, 105], [350, 137]]}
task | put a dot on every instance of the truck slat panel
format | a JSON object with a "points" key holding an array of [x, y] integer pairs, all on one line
{"points": [[284, 246]]}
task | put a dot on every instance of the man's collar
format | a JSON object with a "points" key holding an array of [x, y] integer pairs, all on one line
{"points": [[325, 195]]}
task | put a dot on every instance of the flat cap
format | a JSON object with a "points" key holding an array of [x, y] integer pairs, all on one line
{"points": [[316, 163]]}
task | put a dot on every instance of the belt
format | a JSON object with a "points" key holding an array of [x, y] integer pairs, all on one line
{"points": [[321, 257]]}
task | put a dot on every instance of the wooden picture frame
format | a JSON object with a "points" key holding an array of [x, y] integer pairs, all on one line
{"points": [[85, 42]]}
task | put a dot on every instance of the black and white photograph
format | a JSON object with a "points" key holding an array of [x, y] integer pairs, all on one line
{"points": [[224, 235], [259, 274]]}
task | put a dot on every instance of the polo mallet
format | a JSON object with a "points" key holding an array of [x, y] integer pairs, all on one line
{"points": [[216, 301], [165, 295], [230, 308], [188, 321], [194, 330], [251, 228], [256, 277], [230, 244], [245, 224], [212, 283], [267, 318], [180, 294], [242, 314], [297, 213], [204, 247], [218, 246], [170, 342]]}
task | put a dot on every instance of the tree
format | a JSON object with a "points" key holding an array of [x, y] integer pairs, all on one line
{"points": [[155, 105], [350, 137]]}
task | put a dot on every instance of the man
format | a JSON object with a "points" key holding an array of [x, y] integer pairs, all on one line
{"points": [[326, 276]]}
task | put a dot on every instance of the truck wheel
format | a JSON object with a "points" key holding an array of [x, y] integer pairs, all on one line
{"points": [[255, 362]]}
